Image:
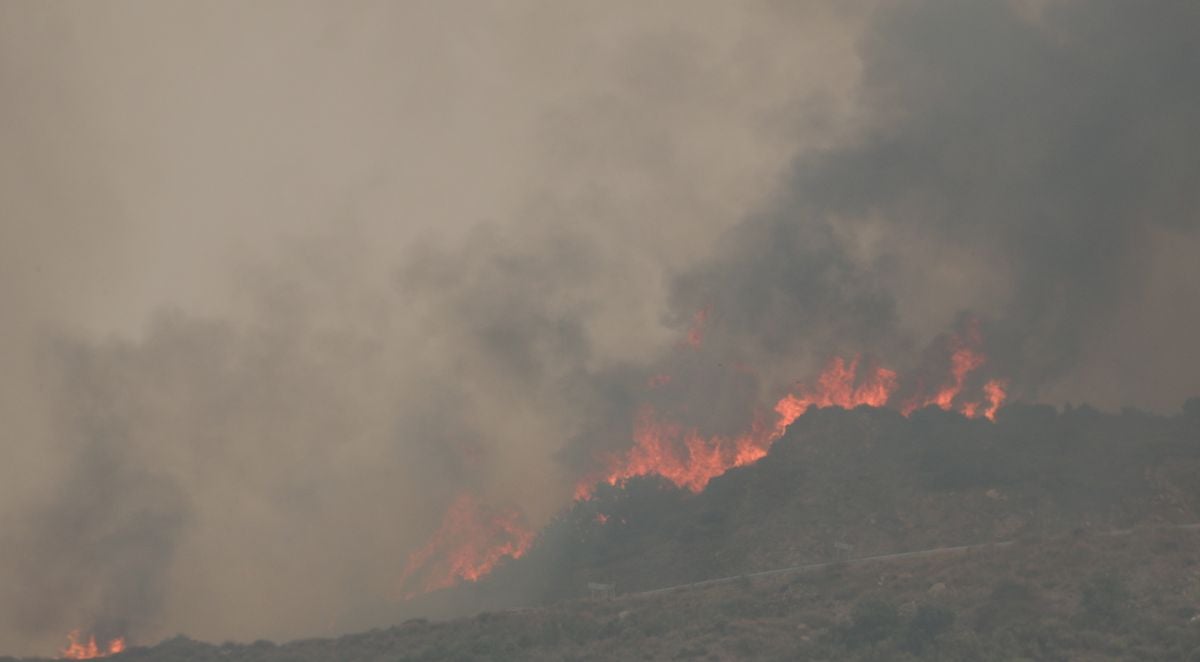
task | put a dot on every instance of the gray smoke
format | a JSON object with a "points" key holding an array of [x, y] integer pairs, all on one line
{"points": [[1031, 163], [280, 283]]}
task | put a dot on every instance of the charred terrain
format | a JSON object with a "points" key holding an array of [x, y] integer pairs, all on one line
{"points": [[1078, 522]]}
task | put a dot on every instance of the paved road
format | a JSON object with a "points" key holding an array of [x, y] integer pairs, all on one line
{"points": [[936, 551]]}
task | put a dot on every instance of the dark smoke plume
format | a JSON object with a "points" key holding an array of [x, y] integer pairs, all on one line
{"points": [[1024, 165]]}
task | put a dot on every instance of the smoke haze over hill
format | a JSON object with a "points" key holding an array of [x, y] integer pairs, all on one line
{"points": [[282, 281]]}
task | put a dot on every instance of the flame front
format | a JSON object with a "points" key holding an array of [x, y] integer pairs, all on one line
{"points": [[836, 387], [78, 650], [689, 460], [470, 542], [472, 539], [996, 393], [966, 356]]}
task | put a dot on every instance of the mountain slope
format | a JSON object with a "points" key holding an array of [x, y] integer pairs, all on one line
{"points": [[1078, 596], [870, 481], [843, 484]]}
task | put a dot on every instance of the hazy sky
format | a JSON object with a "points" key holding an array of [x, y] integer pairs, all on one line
{"points": [[280, 279]]}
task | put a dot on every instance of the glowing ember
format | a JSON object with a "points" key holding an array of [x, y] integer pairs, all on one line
{"points": [[77, 650], [471, 541], [695, 334], [658, 381]]}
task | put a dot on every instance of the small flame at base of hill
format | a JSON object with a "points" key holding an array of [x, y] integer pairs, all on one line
{"points": [[80, 650]]}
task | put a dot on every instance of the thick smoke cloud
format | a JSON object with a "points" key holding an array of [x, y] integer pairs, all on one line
{"points": [[1027, 162], [102, 542], [281, 281], [275, 305]]}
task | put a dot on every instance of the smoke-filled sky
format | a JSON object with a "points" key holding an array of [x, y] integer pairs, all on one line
{"points": [[281, 280]]}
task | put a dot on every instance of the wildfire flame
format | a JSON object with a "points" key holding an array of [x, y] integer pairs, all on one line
{"points": [[996, 393], [836, 387], [77, 650], [470, 542], [966, 356], [689, 460], [472, 539]]}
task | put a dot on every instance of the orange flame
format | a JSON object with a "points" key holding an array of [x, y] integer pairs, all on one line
{"points": [[77, 650], [995, 392], [470, 542], [836, 387], [965, 358], [690, 461]]}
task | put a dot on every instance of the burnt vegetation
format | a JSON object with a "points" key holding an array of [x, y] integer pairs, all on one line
{"points": [[1099, 567]]}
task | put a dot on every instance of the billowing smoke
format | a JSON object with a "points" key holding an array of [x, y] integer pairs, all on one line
{"points": [[286, 282], [1030, 162]]}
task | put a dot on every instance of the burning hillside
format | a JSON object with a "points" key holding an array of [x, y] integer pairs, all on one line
{"points": [[874, 481], [472, 539], [871, 481], [285, 355]]}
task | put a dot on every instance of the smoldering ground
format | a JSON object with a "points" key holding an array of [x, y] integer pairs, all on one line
{"points": [[468, 237]]}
